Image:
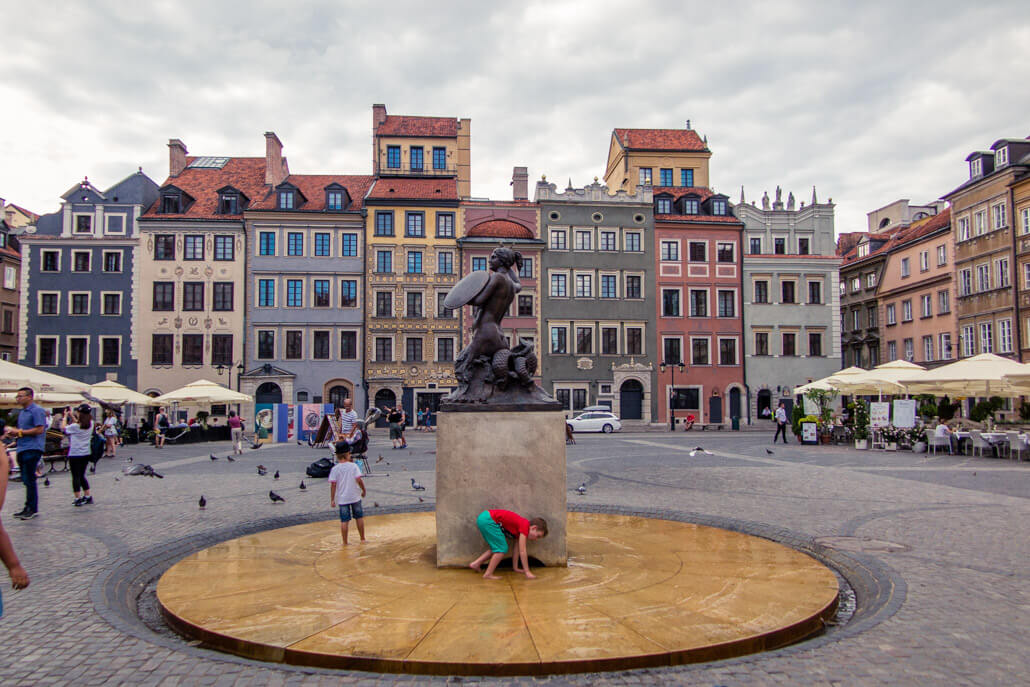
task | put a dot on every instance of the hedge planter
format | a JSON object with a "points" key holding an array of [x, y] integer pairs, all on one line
{"points": [[861, 444]]}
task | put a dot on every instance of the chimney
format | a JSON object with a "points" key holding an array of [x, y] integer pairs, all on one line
{"points": [[275, 166], [520, 183], [378, 117], [176, 157]]}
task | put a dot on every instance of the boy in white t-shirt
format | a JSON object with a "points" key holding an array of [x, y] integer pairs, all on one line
{"points": [[346, 489]]}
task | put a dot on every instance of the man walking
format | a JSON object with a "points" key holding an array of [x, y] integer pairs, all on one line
{"points": [[781, 423], [31, 435]]}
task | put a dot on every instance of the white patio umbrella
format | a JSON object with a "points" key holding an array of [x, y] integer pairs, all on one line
{"points": [[14, 376], [980, 375], [825, 383], [117, 394], [203, 392], [1019, 381], [882, 379], [47, 399]]}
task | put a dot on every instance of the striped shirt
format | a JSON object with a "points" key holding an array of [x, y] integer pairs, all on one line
{"points": [[347, 420]]}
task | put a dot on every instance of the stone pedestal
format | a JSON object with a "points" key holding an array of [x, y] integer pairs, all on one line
{"points": [[506, 459]]}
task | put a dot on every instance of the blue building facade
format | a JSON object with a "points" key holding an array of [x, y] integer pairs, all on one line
{"points": [[80, 281]]}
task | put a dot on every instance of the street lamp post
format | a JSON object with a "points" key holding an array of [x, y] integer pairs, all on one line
{"points": [[672, 393]]}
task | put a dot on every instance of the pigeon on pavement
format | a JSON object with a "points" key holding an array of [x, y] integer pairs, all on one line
{"points": [[582, 489], [230, 459], [769, 451], [698, 449], [275, 497], [261, 470], [202, 503], [303, 487], [276, 475], [380, 458], [416, 486], [213, 457]]}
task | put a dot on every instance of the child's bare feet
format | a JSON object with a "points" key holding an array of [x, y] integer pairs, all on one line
{"points": [[476, 566], [491, 577]]}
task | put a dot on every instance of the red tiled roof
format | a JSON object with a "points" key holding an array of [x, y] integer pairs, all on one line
{"points": [[29, 213], [722, 219], [678, 192], [402, 125], [312, 187], [922, 227], [245, 174], [414, 189], [848, 240], [661, 139], [501, 228]]}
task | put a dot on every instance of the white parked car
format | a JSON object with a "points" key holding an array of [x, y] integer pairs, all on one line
{"points": [[595, 422]]}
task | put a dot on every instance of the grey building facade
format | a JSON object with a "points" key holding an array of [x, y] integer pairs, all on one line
{"points": [[305, 292], [791, 298], [80, 279], [597, 309]]}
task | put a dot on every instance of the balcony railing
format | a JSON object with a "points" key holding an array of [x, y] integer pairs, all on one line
{"points": [[423, 171]]}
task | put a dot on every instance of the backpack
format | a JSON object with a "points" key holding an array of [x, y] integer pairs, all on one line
{"points": [[320, 468]]}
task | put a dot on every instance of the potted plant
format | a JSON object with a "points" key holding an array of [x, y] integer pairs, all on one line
{"points": [[917, 438], [860, 422], [891, 436], [796, 414]]}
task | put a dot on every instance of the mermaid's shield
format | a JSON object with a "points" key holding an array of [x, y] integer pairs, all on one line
{"points": [[465, 290]]}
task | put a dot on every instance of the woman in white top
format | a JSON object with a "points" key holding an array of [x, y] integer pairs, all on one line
{"points": [[80, 434], [110, 433]]}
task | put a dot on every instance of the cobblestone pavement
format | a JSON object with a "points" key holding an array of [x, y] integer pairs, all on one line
{"points": [[957, 563]]}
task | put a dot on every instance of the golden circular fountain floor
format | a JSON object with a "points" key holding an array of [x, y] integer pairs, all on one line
{"points": [[637, 592]]}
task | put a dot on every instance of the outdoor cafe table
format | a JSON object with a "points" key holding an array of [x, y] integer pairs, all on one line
{"points": [[993, 438]]}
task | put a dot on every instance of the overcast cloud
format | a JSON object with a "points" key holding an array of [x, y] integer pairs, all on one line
{"points": [[868, 101]]}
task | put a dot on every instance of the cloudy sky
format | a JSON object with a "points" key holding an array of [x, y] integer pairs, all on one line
{"points": [[868, 101]]}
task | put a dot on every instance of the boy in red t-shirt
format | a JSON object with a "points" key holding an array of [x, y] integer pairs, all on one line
{"points": [[496, 526]]}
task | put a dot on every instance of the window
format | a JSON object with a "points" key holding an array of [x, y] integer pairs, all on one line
{"points": [[891, 315], [50, 261], [384, 349], [718, 207], [607, 241], [384, 261], [164, 296], [110, 351], [78, 351], [415, 224], [761, 291], [285, 200], [943, 304], [558, 239], [83, 224], [384, 304], [439, 158], [928, 349], [870, 280], [221, 349], [645, 175], [48, 303], [670, 250], [294, 345], [479, 264], [579, 399], [192, 349], [320, 345], [761, 343], [609, 340], [295, 243], [975, 167], [334, 200], [442, 311], [266, 243], [81, 260], [445, 262], [633, 286], [266, 345], [294, 293], [1003, 272], [445, 350], [787, 292], [671, 303], [445, 225], [965, 285], [414, 262], [320, 289], [609, 286], [789, 341], [224, 249], [266, 293], [559, 344], [348, 345], [910, 352], [924, 260], [871, 315], [193, 295], [1004, 336], [584, 340], [815, 293], [942, 255], [584, 286], [815, 344], [904, 267], [803, 246], [689, 206], [584, 240], [663, 206], [780, 246], [945, 346], [349, 247], [171, 204], [393, 157], [892, 350], [115, 224], [963, 229], [112, 261], [755, 244], [632, 242], [983, 277], [856, 319], [416, 158], [999, 215], [222, 299], [194, 247], [1024, 220], [322, 242], [46, 351], [986, 338], [672, 351], [348, 293], [665, 177], [699, 351], [968, 341], [1001, 157], [926, 305], [112, 304], [698, 251], [906, 311], [686, 177], [724, 252], [727, 304], [727, 351], [414, 303], [384, 223], [634, 341], [526, 270], [980, 222], [558, 286], [525, 305], [698, 303]]}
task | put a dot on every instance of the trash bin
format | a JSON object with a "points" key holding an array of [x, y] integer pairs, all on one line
{"points": [[736, 423]]}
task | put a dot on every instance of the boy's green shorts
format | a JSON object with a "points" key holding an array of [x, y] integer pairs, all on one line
{"points": [[492, 533]]}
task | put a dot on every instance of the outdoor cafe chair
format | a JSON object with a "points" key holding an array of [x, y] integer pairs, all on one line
{"points": [[978, 442], [1016, 445], [933, 442]]}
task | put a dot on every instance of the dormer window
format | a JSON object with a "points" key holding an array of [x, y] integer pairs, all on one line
{"points": [[975, 167], [863, 250], [229, 204], [718, 207], [286, 200], [171, 204], [1001, 157], [663, 206], [334, 200], [83, 224], [690, 206]]}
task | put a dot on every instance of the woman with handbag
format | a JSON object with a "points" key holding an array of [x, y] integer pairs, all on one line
{"points": [[80, 435]]}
